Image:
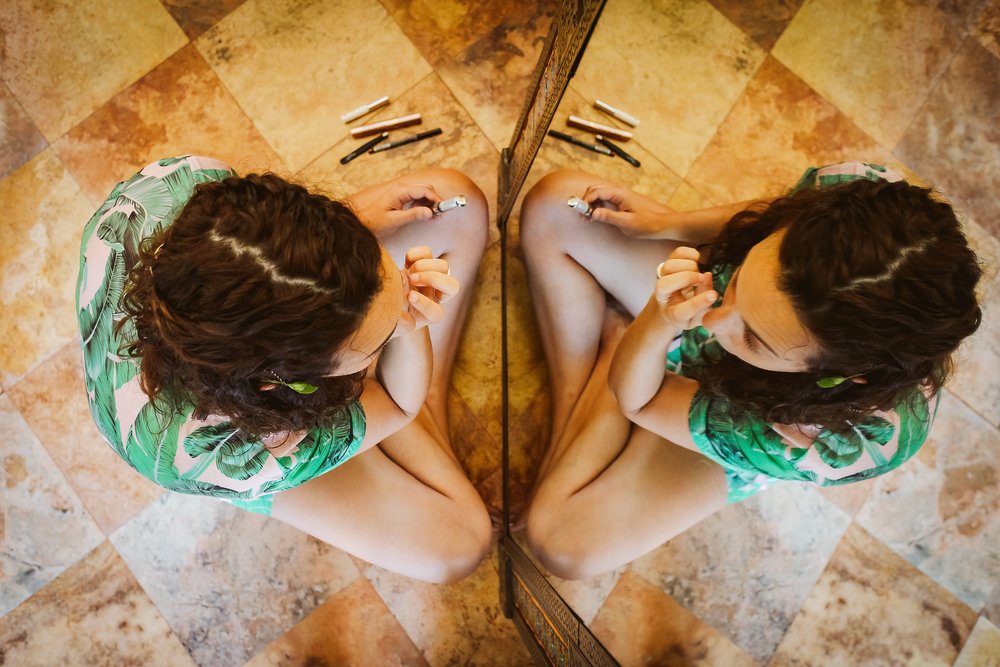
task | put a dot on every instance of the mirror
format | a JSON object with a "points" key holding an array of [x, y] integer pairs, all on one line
{"points": [[736, 102]]}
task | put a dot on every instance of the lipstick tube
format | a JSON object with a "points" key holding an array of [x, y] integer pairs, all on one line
{"points": [[617, 113], [391, 124], [597, 128], [365, 109]]}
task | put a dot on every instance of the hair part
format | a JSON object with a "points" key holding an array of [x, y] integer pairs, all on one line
{"points": [[882, 276], [256, 277]]}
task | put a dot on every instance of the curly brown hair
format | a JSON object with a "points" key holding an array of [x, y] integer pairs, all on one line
{"points": [[883, 277], [256, 277]]}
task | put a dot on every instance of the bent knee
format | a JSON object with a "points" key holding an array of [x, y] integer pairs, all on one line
{"points": [[555, 547], [544, 213], [468, 547]]}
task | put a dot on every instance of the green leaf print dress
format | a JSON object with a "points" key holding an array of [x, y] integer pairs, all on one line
{"points": [[202, 457], [754, 452]]}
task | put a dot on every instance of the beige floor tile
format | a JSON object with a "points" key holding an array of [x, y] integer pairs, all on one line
{"points": [[953, 140], [982, 648], [459, 623], [197, 16], [977, 374], [44, 213], [678, 67], [939, 511], [296, 67], [764, 20], [95, 613], [640, 625], [53, 402], [352, 628], [228, 581], [777, 129], [20, 140], [586, 597], [747, 569], [849, 497], [850, 54], [872, 607], [44, 527], [491, 77], [992, 608], [146, 123], [64, 59]]}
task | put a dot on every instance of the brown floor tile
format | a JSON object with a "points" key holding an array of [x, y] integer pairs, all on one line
{"points": [[53, 401], [43, 526], [872, 607], [764, 20], [987, 27], [642, 626], [748, 569], [491, 77], [95, 613], [477, 448], [954, 140], [441, 30], [352, 628], [777, 129], [44, 212], [179, 108], [228, 581], [197, 16], [586, 597], [296, 67], [63, 60], [940, 510], [677, 67], [20, 140], [453, 624], [850, 54]]}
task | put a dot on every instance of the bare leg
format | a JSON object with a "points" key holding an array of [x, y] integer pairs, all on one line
{"points": [[406, 504], [615, 492], [572, 261]]}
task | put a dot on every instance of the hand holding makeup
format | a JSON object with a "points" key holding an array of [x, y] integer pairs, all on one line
{"points": [[633, 213], [683, 294], [391, 205], [429, 285]]}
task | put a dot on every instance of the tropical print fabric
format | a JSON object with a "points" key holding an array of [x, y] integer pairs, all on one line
{"points": [[755, 452], [165, 443]]}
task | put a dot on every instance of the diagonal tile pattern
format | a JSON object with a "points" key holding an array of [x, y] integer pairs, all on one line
{"points": [[736, 99]]}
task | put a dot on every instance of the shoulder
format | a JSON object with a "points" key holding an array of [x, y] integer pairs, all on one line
{"points": [[845, 172]]}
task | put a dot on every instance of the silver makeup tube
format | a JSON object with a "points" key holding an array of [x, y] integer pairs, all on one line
{"points": [[448, 204], [617, 113], [365, 109], [579, 205]]}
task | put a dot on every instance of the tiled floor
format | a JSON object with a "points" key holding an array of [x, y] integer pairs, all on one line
{"points": [[736, 99]]}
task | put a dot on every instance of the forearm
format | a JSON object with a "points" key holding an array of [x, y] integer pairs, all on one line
{"points": [[701, 226], [639, 364]]}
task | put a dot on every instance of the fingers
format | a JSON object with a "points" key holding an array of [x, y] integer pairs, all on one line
{"points": [[445, 287], [676, 282], [417, 192], [417, 253], [428, 309], [607, 194], [690, 310]]}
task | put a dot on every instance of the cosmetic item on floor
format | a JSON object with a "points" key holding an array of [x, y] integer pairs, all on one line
{"points": [[364, 148], [364, 109], [391, 124], [617, 113], [409, 140], [448, 204], [579, 205], [582, 144], [598, 128], [618, 151]]}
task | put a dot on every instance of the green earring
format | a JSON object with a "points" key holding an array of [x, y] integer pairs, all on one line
{"points": [[830, 382]]}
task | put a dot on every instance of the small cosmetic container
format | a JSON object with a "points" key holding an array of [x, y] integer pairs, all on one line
{"points": [[365, 109], [617, 113], [579, 205], [391, 124], [448, 204], [598, 128]]}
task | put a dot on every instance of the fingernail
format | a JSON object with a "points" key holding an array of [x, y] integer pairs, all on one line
{"points": [[710, 297], [412, 298], [414, 277]]}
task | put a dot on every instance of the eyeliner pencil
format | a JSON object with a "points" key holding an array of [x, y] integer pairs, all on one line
{"points": [[618, 151], [409, 140], [363, 148], [582, 144]]}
